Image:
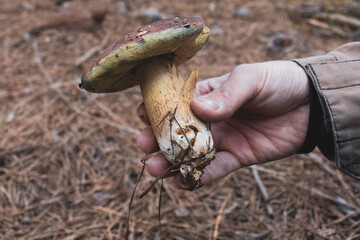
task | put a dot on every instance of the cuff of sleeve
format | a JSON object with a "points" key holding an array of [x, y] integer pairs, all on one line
{"points": [[315, 117], [336, 85]]}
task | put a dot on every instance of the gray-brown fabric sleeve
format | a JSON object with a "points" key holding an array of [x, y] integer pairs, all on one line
{"points": [[336, 80]]}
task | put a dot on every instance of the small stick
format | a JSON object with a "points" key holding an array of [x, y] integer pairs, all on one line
{"points": [[171, 139], [17, 150], [270, 171], [107, 210], [319, 161], [133, 194], [316, 192], [175, 232], [347, 188], [341, 219], [157, 179], [159, 214], [183, 132], [325, 26], [219, 215], [161, 122], [262, 189], [261, 235], [340, 18], [21, 104]]}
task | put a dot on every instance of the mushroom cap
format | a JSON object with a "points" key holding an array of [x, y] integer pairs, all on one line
{"points": [[113, 70]]}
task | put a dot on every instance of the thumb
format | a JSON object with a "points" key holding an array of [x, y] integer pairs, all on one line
{"points": [[222, 102]]}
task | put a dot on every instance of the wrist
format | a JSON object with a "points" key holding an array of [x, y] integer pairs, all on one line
{"points": [[303, 81]]}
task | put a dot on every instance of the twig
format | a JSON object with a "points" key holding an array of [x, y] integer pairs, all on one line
{"points": [[17, 150], [316, 158], [319, 161], [347, 188], [49, 79], [262, 189], [340, 18], [160, 196], [339, 220], [219, 216], [120, 214], [157, 179], [22, 103], [270, 171], [80, 23], [261, 235], [108, 210], [133, 195], [317, 192], [305, 11], [173, 231], [322, 25], [92, 51]]}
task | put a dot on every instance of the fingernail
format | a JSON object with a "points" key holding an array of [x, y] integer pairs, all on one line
{"points": [[207, 102]]}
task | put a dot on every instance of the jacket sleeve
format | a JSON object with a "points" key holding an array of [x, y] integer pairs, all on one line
{"points": [[336, 84]]}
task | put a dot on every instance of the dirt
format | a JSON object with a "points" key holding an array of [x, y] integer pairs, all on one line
{"points": [[69, 159]]}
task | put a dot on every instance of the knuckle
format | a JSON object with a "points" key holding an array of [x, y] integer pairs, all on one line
{"points": [[227, 98], [243, 68], [225, 92]]}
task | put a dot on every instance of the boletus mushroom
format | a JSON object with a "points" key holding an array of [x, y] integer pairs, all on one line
{"points": [[149, 56]]}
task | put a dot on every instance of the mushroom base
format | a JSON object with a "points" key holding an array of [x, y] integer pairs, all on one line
{"points": [[191, 173], [184, 139]]}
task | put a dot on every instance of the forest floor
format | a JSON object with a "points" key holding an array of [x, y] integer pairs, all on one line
{"points": [[69, 160]]}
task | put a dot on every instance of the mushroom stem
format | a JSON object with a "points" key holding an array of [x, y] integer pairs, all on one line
{"points": [[183, 138]]}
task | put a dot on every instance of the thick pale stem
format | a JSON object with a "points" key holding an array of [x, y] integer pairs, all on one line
{"points": [[183, 138]]}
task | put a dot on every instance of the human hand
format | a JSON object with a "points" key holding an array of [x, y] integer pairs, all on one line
{"points": [[259, 113]]}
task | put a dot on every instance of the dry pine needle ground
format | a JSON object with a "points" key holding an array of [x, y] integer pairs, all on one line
{"points": [[69, 160]]}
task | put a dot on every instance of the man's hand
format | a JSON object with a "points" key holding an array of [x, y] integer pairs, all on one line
{"points": [[258, 113]]}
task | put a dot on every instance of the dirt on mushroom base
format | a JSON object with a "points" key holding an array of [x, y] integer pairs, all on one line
{"points": [[69, 160]]}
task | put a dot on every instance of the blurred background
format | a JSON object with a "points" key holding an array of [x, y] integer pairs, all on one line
{"points": [[69, 160]]}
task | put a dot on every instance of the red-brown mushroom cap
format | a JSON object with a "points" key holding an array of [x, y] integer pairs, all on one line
{"points": [[112, 70]]}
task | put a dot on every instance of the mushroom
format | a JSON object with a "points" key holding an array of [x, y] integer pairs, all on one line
{"points": [[149, 57]]}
